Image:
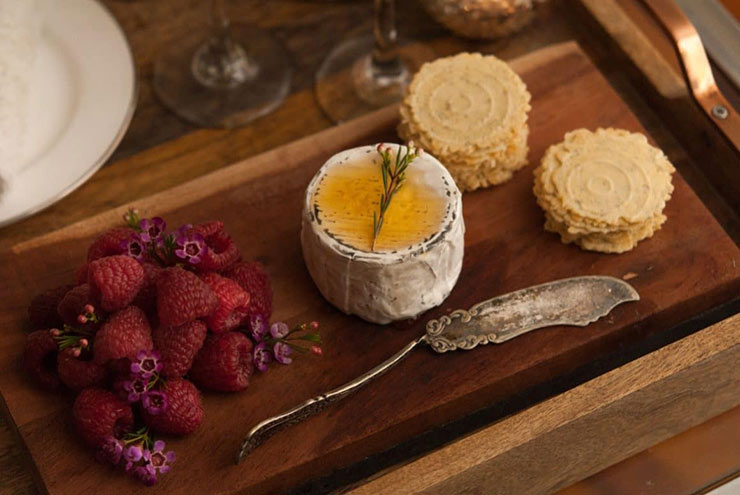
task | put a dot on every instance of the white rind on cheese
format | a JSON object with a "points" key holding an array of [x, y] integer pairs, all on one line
{"points": [[381, 287]]}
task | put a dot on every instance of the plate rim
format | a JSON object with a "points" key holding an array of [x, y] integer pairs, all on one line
{"points": [[97, 164]]}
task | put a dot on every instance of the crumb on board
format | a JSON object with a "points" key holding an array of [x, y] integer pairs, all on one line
{"points": [[629, 276]]}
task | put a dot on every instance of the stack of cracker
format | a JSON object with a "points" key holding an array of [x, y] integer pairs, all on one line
{"points": [[470, 112], [603, 190]]}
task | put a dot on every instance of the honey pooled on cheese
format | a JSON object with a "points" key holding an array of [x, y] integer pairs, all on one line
{"points": [[347, 196], [418, 253]]}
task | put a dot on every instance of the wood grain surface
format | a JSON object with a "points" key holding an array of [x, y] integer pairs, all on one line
{"points": [[663, 71], [159, 151], [504, 236], [635, 33], [733, 6], [551, 444], [693, 462]]}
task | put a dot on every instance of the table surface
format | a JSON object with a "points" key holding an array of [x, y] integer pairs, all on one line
{"points": [[160, 151]]}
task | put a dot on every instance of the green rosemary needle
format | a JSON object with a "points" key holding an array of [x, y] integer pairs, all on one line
{"points": [[393, 178]]}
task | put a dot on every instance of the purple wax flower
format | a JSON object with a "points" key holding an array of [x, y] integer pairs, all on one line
{"points": [[110, 451], [134, 247], [132, 454], [258, 327], [279, 330], [155, 402], [158, 459], [145, 473], [152, 229], [147, 363], [190, 247], [262, 356], [282, 351], [135, 388]]}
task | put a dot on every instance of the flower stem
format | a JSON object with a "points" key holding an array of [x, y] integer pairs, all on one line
{"points": [[140, 435], [153, 381]]}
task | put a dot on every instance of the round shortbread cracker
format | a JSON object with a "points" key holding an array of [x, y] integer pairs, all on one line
{"points": [[615, 241], [603, 190], [610, 177], [482, 169], [465, 103], [469, 111]]}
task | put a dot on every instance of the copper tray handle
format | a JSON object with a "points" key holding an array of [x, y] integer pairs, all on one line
{"points": [[696, 68]]}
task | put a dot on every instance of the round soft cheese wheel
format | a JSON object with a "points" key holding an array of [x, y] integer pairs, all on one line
{"points": [[417, 255]]}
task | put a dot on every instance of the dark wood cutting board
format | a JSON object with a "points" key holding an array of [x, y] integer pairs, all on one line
{"points": [[689, 266]]}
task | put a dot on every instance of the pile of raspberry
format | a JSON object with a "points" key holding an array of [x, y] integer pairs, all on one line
{"points": [[152, 318]]}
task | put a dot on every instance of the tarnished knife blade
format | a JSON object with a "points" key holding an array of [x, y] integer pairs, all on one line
{"points": [[571, 301]]}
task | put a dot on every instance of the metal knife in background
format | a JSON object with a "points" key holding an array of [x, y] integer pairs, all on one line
{"points": [[720, 34], [574, 301], [695, 64]]}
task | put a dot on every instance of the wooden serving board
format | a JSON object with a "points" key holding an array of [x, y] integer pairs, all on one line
{"points": [[689, 266]]}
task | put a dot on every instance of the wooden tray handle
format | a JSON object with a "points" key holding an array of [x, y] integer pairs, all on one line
{"points": [[696, 68]]}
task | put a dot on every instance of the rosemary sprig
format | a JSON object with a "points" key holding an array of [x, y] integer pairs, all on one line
{"points": [[393, 179]]}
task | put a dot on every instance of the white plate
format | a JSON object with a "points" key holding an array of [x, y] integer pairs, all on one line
{"points": [[83, 95]]}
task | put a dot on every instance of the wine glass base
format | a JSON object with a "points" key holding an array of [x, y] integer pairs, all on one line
{"points": [[345, 84], [227, 107]]}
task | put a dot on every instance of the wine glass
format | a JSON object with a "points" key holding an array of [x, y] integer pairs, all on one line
{"points": [[366, 73], [236, 75]]}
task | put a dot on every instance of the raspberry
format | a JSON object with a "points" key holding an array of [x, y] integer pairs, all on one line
{"points": [[253, 279], [77, 373], [99, 414], [81, 274], [209, 229], [39, 359], [122, 336], [73, 302], [182, 297], [146, 299], [233, 303], [43, 308], [116, 280], [109, 243], [118, 369], [178, 346], [184, 411], [224, 363], [222, 250]]}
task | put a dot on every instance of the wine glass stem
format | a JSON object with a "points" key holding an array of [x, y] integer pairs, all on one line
{"points": [[221, 63], [219, 20], [385, 60]]}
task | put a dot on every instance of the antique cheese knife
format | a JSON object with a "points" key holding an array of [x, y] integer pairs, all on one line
{"points": [[571, 301]]}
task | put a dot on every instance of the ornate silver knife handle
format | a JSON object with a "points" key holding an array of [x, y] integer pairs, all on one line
{"points": [[264, 430], [571, 301]]}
